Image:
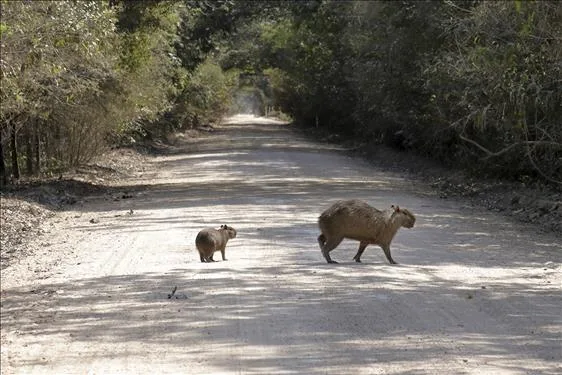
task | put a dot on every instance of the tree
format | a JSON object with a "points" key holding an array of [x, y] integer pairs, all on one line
{"points": [[74, 73], [54, 57], [497, 84]]}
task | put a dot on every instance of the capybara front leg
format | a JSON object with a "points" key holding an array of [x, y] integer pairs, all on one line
{"points": [[362, 246], [386, 249], [223, 254]]}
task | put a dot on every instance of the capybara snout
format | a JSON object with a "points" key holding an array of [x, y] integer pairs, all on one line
{"points": [[210, 240]]}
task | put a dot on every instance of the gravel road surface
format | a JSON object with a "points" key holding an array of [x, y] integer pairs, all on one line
{"points": [[473, 293]]}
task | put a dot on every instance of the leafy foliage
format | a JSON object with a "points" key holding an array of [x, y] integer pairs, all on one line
{"points": [[204, 99], [54, 56], [471, 83], [498, 85], [77, 76]]}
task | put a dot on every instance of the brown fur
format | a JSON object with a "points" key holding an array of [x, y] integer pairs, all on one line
{"points": [[210, 240], [355, 219]]}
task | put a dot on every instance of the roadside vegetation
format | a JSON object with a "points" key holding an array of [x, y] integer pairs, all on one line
{"points": [[472, 84]]}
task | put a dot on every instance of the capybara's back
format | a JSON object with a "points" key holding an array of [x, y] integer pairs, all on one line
{"points": [[353, 219], [210, 240]]}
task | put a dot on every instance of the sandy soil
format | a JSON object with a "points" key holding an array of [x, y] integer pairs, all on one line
{"points": [[473, 294]]}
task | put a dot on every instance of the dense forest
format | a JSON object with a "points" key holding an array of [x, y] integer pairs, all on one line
{"points": [[473, 84]]}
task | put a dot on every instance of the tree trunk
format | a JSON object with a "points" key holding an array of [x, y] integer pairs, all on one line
{"points": [[37, 141], [29, 151], [46, 149], [3, 177], [14, 146]]}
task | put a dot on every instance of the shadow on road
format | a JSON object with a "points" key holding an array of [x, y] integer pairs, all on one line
{"points": [[204, 312]]}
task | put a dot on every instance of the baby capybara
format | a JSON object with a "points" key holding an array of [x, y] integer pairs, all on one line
{"points": [[210, 240], [355, 219]]}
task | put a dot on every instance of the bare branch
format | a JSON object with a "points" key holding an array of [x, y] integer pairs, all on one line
{"points": [[491, 154], [527, 144]]}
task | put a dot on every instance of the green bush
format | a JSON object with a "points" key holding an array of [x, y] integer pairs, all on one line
{"points": [[205, 98]]}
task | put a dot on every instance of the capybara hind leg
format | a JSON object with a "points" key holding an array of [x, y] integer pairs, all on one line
{"points": [[386, 250], [202, 257], [362, 246], [329, 246], [321, 240]]}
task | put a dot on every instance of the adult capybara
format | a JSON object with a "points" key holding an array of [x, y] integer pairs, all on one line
{"points": [[359, 221], [210, 240]]}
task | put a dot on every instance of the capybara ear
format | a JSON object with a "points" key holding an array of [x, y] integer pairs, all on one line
{"points": [[222, 226]]}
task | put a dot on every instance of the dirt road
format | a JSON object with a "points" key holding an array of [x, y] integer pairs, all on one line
{"points": [[473, 294]]}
